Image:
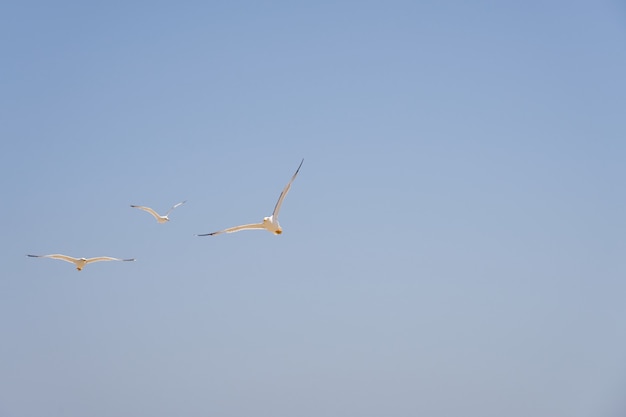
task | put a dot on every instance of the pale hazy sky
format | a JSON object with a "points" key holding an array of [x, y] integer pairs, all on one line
{"points": [[454, 244]]}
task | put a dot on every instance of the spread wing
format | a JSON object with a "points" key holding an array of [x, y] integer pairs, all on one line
{"points": [[236, 229], [107, 258], [284, 193], [174, 206], [57, 256], [149, 210]]}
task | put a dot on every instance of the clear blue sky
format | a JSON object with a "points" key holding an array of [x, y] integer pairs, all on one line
{"points": [[454, 245]]}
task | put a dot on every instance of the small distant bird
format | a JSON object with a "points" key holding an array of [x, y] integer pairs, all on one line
{"points": [[157, 216], [80, 262], [269, 223]]}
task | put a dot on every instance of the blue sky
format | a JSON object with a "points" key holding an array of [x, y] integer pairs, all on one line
{"points": [[453, 245]]}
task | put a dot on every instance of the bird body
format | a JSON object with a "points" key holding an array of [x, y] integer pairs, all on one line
{"points": [[269, 223], [80, 262], [157, 216]]}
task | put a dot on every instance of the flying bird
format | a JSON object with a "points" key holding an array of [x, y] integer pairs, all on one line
{"points": [[269, 223], [80, 262], [157, 216]]}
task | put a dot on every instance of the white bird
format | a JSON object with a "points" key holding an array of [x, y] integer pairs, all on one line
{"points": [[269, 223], [157, 216], [80, 262]]}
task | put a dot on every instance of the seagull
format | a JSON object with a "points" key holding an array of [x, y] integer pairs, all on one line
{"points": [[269, 223], [157, 216], [80, 262]]}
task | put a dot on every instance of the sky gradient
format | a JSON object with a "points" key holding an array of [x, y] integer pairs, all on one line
{"points": [[454, 244]]}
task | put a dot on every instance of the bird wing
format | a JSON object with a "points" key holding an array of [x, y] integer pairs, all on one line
{"points": [[107, 258], [236, 229], [174, 206], [149, 210], [57, 256], [284, 193]]}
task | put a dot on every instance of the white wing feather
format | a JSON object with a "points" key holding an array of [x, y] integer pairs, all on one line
{"points": [[283, 194], [149, 210], [107, 258], [236, 229], [174, 206], [57, 256]]}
